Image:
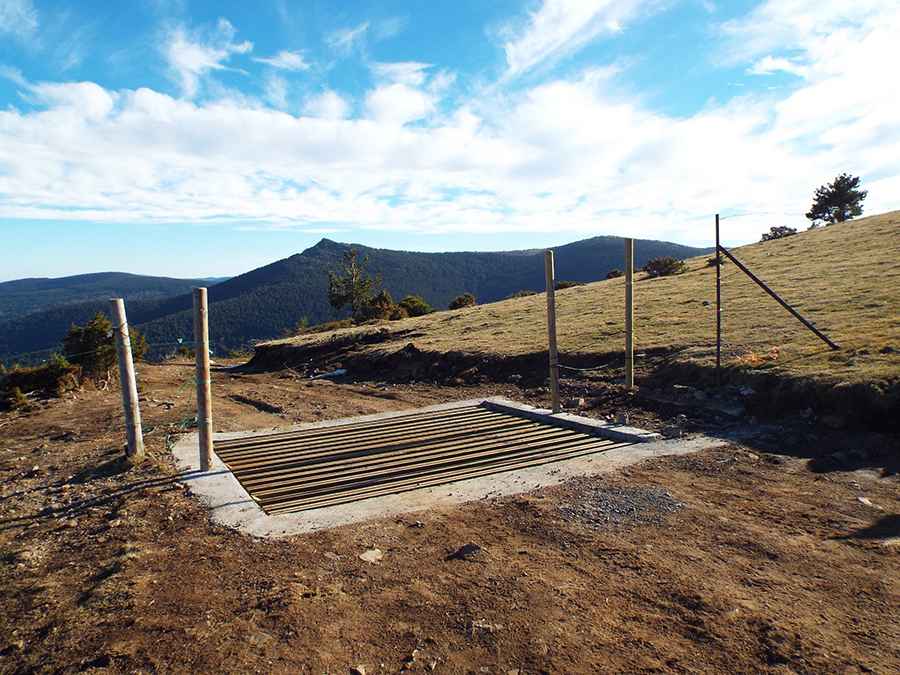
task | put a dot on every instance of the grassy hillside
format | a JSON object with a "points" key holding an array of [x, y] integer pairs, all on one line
{"points": [[845, 278], [264, 302]]}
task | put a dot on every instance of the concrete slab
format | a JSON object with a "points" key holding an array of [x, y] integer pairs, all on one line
{"points": [[232, 506]]}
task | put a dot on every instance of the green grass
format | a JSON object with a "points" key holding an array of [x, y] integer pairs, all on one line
{"points": [[845, 278]]}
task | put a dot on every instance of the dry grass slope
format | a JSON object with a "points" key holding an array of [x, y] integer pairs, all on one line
{"points": [[845, 278]]}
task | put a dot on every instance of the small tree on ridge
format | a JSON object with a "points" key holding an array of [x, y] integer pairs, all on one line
{"points": [[837, 201]]}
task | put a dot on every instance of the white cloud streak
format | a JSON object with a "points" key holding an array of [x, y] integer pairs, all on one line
{"points": [[344, 40], [192, 55], [18, 18], [284, 60], [559, 28]]}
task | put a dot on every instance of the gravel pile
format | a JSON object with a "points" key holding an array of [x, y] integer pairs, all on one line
{"points": [[603, 507]]}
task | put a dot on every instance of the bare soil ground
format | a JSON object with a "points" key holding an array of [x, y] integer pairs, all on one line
{"points": [[778, 554]]}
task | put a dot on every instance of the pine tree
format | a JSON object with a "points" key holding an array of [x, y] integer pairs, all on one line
{"points": [[837, 201], [352, 286]]}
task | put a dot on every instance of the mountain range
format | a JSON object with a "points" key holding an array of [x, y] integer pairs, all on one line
{"points": [[262, 303]]}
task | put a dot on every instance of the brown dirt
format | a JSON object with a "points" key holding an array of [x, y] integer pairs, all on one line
{"points": [[768, 563]]}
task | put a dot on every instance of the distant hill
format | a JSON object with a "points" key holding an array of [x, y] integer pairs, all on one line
{"points": [[261, 303], [28, 296]]}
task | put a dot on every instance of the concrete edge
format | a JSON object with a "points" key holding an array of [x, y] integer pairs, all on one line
{"points": [[615, 432]]}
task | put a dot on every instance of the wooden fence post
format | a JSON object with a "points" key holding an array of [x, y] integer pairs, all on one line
{"points": [[629, 313], [551, 330], [204, 399], [133, 431], [718, 305]]}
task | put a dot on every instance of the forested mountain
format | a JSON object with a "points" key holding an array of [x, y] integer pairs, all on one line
{"points": [[27, 296], [263, 302]]}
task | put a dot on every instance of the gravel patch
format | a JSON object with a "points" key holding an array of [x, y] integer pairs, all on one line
{"points": [[602, 507]]}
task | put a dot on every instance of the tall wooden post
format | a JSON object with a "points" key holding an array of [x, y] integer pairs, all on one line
{"points": [[551, 330], [718, 305], [127, 383], [629, 313], [204, 399]]}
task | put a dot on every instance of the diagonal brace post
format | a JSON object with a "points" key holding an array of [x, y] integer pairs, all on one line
{"points": [[759, 282]]}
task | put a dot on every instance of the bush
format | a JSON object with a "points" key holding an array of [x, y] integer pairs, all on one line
{"points": [[522, 294], [92, 346], [16, 400], [415, 305], [562, 285], [665, 266], [398, 313], [53, 378], [778, 233], [460, 301], [185, 352], [614, 273], [380, 307]]}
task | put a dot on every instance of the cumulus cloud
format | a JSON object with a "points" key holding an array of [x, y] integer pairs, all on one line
{"points": [[562, 27], [18, 18], [770, 64], [191, 55], [577, 155], [284, 60], [398, 104], [328, 105]]}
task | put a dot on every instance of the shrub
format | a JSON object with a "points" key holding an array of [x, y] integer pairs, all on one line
{"points": [[380, 307], [185, 352], [53, 378], [91, 346], [664, 267], [522, 294], [562, 285], [614, 273], [460, 301], [416, 305], [398, 313], [778, 233]]}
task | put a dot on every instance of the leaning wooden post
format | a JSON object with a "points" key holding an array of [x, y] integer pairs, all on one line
{"points": [[204, 399], [551, 330], [133, 432], [629, 313]]}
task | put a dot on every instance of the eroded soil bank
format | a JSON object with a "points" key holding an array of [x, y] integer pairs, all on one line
{"points": [[661, 375]]}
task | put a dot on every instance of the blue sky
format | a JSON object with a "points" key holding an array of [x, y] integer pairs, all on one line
{"points": [[207, 138]]}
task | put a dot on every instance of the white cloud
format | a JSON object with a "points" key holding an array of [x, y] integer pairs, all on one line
{"points": [[344, 40], [562, 27], [328, 105], [411, 73], [276, 91], [575, 155], [398, 104], [18, 18], [285, 60], [192, 55], [770, 64]]}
